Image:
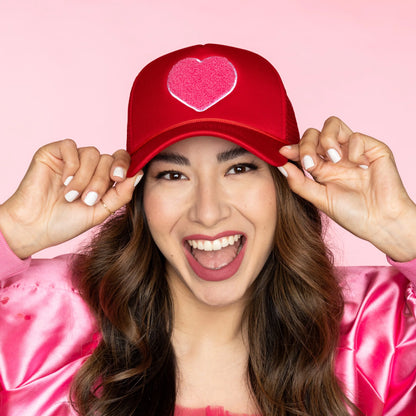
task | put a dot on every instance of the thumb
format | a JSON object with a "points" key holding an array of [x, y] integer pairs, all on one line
{"points": [[119, 195], [303, 185]]}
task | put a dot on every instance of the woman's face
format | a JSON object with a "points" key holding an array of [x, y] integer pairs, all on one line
{"points": [[211, 209]]}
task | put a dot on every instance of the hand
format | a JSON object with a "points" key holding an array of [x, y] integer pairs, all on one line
{"points": [[356, 183], [61, 193]]}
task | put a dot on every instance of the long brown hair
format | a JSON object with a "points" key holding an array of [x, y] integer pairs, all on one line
{"points": [[292, 317]]}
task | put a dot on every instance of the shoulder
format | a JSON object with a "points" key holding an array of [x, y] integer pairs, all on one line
{"points": [[360, 282], [375, 294], [53, 273], [45, 298], [46, 324]]}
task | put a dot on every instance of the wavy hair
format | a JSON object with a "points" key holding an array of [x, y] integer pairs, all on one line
{"points": [[293, 316]]}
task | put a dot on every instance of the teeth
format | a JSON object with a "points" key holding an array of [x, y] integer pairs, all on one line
{"points": [[215, 245], [207, 246]]}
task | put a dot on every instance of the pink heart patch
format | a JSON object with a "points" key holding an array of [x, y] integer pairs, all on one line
{"points": [[201, 84]]}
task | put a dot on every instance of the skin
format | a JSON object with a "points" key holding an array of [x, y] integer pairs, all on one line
{"points": [[208, 339], [38, 216], [209, 198], [371, 203]]}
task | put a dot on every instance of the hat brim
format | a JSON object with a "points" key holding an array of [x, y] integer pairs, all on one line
{"points": [[261, 144]]}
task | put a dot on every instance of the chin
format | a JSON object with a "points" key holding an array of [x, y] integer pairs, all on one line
{"points": [[220, 300], [216, 294]]}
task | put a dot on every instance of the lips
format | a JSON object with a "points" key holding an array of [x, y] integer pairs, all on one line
{"points": [[215, 258]]}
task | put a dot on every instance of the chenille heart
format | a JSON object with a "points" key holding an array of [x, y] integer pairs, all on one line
{"points": [[201, 84]]}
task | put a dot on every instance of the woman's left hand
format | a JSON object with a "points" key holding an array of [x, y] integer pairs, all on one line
{"points": [[356, 183]]}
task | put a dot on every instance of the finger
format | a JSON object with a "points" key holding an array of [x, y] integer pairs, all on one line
{"points": [[88, 161], [291, 152], [119, 195], [334, 134], [308, 150], [100, 181], [304, 186], [320, 144], [364, 150], [61, 156], [120, 165], [69, 153]]}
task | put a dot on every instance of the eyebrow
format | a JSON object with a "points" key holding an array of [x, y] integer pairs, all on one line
{"points": [[179, 159], [170, 157], [231, 154]]}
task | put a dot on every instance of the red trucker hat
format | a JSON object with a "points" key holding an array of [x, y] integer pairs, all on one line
{"points": [[209, 90]]}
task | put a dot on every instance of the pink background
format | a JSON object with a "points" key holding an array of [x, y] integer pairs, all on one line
{"points": [[67, 67]]}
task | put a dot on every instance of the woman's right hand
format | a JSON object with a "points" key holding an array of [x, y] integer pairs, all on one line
{"points": [[62, 195]]}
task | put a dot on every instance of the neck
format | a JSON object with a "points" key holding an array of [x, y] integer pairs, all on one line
{"points": [[211, 352]]}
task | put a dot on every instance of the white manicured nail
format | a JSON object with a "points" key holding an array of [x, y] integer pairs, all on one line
{"points": [[334, 155], [363, 166], [91, 198], [71, 196], [138, 179], [68, 180], [282, 170], [119, 172], [308, 162]]}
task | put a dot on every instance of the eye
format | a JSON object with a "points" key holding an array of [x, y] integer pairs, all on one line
{"points": [[241, 168], [171, 175]]}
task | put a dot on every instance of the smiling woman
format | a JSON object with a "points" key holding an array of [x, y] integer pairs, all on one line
{"points": [[218, 306], [210, 291], [213, 204]]}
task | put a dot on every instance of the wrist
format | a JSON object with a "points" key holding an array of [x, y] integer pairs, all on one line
{"points": [[17, 238], [397, 238]]}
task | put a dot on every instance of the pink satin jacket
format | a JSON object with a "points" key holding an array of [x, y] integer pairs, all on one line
{"points": [[46, 332]]}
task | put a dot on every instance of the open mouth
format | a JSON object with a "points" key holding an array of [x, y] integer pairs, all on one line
{"points": [[216, 259]]}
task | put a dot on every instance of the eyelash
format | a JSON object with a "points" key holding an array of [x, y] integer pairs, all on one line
{"points": [[174, 175], [246, 166], [179, 175]]}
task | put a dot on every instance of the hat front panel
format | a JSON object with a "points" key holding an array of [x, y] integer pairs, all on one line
{"points": [[252, 96]]}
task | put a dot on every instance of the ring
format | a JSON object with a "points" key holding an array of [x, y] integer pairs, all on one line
{"points": [[106, 207]]}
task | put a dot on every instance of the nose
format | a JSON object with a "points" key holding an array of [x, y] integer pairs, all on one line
{"points": [[210, 204]]}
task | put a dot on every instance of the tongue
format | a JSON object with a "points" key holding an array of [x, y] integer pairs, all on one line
{"points": [[216, 259]]}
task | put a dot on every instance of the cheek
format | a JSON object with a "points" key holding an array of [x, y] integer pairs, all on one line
{"points": [[156, 212], [163, 210], [260, 204]]}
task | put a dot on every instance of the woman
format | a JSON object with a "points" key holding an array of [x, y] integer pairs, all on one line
{"points": [[213, 286]]}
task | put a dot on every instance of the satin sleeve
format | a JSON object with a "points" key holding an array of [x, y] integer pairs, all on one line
{"points": [[376, 360], [46, 333], [10, 264]]}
